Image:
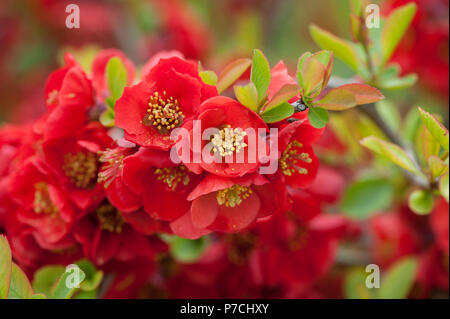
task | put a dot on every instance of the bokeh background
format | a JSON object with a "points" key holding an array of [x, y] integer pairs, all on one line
{"points": [[33, 37]]}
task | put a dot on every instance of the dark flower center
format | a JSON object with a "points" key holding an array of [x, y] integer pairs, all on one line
{"points": [[233, 196], [291, 157], [42, 201], [163, 113], [81, 168], [173, 176], [109, 218]]}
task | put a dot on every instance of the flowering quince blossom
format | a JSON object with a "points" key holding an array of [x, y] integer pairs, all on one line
{"points": [[168, 97]]}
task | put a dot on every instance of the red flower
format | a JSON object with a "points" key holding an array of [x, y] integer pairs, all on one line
{"points": [[162, 185], [105, 235], [439, 222], [42, 203], [225, 205], [75, 161], [69, 95], [168, 97], [297, 162], [230, 120]]}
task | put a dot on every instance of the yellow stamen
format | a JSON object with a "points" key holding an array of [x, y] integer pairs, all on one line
{"points": [[233, 196], [228, 141], [42, 201], [109, 218], [290, 158], [173, 176], [163, 113], [81, 168]]}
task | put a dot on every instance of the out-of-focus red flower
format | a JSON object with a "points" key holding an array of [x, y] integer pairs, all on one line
{"points": [[439, 222], [168, 98], [75, 161], [42, 204], [226, 205]]}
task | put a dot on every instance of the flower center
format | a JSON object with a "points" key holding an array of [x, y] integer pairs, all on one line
{"points": [[42, 201], [114, 164], [163, 113], [228, 141], [291, 158], [233, 196], [109, 218], [173, 176], [81, 168], [52, 97]]}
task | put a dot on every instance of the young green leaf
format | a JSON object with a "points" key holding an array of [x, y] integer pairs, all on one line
{"points": [[366, 197], [300, 63], [117, 77], [443, 186], [93, 277], [231, 73], [439, 131], [5, 267], [187, 250], [398, 281], [341, 48], [208, 77], [107, 118], [20, 287], [278, 113], [247, 95], [437, 166], [364, 94], [395, 27], [426, 145], [390, 151], [45, 279], [421, 202], [313, 74], [286, 93], [337, 100], [260, 75], [397, 83], [355, 285], [62, 289], [318, 117]]}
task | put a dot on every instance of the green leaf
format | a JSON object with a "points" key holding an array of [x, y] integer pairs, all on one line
{"points": [[398, 281], [341, 48], [437, 166], [231, 73], [421, 202], [38, 296], [93, 276], [337, 100], [395, 27], [187, 250], [91, 294], [62, 289], [366, 197], [45, 279], [20, 287], [5, 267], [439, 131], [318, 117], [390, 151], [116, 75], [389, 113], [300, 63], [107, 118], [443, 186], [397, 83], [286, 93], [355, 285], [247, 95], [278, 113], [209, 77], [426, 145], [260, 74], [313, 74]]}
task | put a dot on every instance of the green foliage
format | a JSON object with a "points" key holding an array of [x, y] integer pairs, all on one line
{"points": [[5, 267], [208, 77], [20, 287], [443, 186], [398, 281], [45, 279], [64, 291], [117, 77], [278, 113], [421, 202], [231, 73], [355, 284], [366, 197], [437, 130], [260, 75], [186, 250], [247, 95], [318, 117]]}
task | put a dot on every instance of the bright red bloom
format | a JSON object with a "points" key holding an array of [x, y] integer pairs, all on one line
{"points": [[69, 95], [162, 184], [75, 161], [168, 98], [439, 222], [234, 152], [42, 203], [298, 162], [226, 205]]}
